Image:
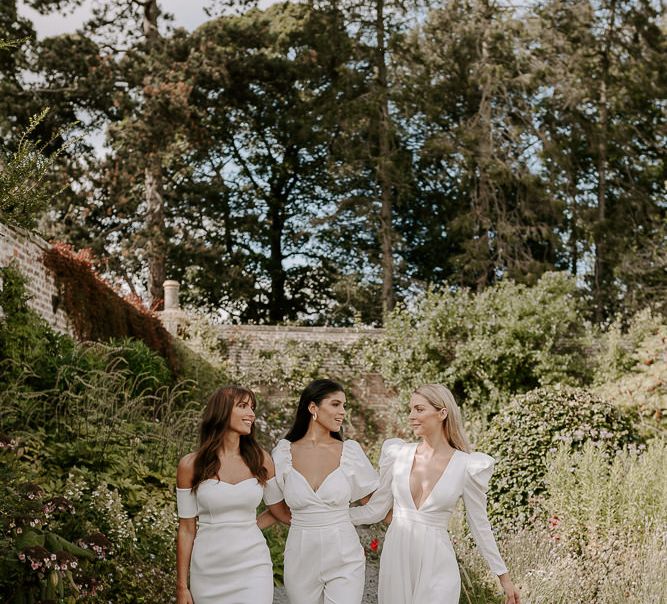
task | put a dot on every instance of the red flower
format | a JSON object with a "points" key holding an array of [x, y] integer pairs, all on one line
{"points": [[374, 545]]}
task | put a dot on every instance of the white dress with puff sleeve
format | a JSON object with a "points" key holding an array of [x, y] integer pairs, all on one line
{"points": [[230, 561], [418, 564], [324, 561]]}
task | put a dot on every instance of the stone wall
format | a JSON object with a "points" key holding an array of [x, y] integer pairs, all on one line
{"points": [[240, 345], [25, 250]]}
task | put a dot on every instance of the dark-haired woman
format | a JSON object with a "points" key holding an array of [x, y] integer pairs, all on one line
{"points": [[319, 475], [219, 487]]}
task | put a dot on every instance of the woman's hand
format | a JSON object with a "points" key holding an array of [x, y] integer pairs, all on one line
{"points": [[266, 519], [512, 595], [183, 595]]}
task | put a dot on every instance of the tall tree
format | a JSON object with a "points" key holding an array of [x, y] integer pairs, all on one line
{"points": [[466, 90], [601, 113]]}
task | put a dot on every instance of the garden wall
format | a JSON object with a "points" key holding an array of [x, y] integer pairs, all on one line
{"points": [[25, 250], [239, 345]]}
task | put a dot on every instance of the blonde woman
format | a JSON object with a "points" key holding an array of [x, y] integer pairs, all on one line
{"points": [[420, 483]]}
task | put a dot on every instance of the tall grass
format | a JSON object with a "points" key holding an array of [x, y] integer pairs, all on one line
{"points": [[606, 540]]}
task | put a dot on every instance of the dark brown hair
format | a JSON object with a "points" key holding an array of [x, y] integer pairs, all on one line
{"points": [[214, 424], [315, 392]]}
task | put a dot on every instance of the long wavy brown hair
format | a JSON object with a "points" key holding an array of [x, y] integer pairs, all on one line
{"points": [[214, 424]]}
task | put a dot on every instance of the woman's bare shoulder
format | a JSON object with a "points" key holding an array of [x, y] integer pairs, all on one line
{"points": [[185, 471]]}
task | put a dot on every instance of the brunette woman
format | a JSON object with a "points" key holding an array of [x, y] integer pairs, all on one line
{"points": [[319, 475], [219, 486]]}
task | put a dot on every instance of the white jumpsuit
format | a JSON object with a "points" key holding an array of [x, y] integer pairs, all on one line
{"points": [[418, 564], [324, 561], [230, 562]]}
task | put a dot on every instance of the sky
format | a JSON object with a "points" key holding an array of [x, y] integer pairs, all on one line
{"points": [[187, 13]]}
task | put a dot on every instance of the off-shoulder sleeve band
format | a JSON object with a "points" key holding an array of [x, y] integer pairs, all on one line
{"points": [[478, 473], [186, 503], [272, 492]]}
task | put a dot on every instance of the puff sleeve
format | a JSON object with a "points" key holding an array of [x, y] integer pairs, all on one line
{"points": [[383, 499], [272, 492], [476, 483], [358, 470], [186, 503], [282, 460]]}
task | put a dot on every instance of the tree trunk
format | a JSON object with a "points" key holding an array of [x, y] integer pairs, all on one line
{"points": [[600, 235], [384, 162], [154, 192], [277, 300], [155, 229]]}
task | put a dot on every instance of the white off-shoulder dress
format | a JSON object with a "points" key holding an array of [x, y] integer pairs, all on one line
{"points": [[230, 562], [418, 564], [324, 561]]}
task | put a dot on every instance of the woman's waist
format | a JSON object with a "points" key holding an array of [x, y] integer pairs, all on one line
{"points": [[320, 517], [227, 520], [433, 518]]}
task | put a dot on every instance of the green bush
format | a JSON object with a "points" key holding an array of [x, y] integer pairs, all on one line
{"points": [[145, 367], [485, 347], [47, 553], [530, 428], [28, 346], [640, 384]]}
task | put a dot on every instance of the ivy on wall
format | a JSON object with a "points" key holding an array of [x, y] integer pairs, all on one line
{"points": [[96, 311]]}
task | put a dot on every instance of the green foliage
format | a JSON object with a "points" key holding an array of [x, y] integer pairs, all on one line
{"points": [[594, 499], [531, 427], [149, 369], [635, 378], [202, 376], [104, 427], [24, 189], [604, 540], [508, 339], [28, 347], [47, 553]]}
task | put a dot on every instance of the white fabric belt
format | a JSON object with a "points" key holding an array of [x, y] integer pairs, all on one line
{"points": [[210, 522], [311, 519], [436, 519]]}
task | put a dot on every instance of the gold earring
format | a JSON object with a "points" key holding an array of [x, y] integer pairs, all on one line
{"points": [[314, 417]]}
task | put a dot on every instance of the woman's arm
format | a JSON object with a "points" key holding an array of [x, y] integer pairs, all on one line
{"points": [[187, 529], [273, 498]]}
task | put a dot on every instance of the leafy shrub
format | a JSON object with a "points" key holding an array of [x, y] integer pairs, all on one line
{"points": [[28, 346], [604, 540], [485, 347], [148, 369], [617, 346], [641, 384], [47, 554], [530, 428]]}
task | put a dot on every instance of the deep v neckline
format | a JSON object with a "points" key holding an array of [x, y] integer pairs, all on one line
{"points": [[310, 486], [435, 484]]}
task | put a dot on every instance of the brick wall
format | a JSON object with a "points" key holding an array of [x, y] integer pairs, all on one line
{"points": [[240, 344], [25, 250]]}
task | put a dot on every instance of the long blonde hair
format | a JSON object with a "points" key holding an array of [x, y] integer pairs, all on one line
{"points": [[441, 398]]}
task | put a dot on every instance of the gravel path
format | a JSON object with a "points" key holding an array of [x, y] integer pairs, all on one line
{"points": [[370, 591]]}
